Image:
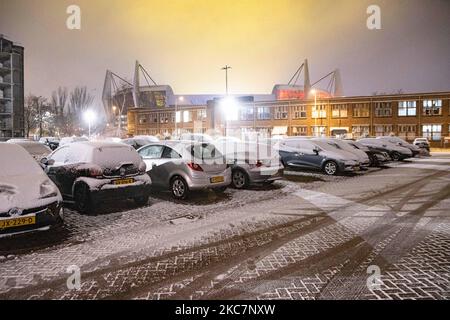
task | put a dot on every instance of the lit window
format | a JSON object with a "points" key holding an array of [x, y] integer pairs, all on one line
{"points": [[432, 132], [406, 108], [187, 116], [432, 107], [178, 117]]}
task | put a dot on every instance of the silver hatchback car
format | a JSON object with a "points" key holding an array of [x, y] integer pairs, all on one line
{"points": [[184, 166]]}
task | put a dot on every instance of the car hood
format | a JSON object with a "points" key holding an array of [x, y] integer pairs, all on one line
{"points": [[342, 155], [24, 191]]}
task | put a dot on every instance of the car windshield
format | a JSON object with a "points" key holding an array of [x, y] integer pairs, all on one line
{"points": [[113, 156], [16, 162]]}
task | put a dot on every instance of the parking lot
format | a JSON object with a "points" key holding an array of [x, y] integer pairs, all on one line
{"points": [[308, 236]]}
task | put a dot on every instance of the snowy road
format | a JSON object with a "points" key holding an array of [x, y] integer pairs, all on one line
{"points": [[307, 237]]}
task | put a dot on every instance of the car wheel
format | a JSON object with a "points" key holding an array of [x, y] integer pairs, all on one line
{"points": [[239, 179], [141, 201], [395, 156], [330, 168], [83, 199], [179, 188]]}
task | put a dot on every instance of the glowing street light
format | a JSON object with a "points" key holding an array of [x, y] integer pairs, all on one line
{"points": [[89, 117]]}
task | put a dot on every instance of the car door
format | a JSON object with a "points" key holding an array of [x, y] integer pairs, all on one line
{"points": [[310, 158], [57, 171], [151, 155], [163, 168]]}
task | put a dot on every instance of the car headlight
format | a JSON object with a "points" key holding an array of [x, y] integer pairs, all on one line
{"points": [[47, 190]]}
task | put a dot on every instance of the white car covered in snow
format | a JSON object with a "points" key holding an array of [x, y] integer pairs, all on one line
{"points": [[88, 173], [29, 200]]}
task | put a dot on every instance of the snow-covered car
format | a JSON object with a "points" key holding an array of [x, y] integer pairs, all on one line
{"points": [[67, 140], [35, 149], [140, 141], [197, 137], [363, 158], [29, 200], [316, 154], [402, 143], [88, 173], [396, 152], [51, 142], [422, 143], [377, 156], [184, 166]]}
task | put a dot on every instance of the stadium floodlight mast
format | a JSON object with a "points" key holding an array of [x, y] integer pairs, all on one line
{"points": [[89, 117]]}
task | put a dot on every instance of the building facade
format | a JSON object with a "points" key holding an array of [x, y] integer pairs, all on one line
{"points": [[406, 115], [11, 89]]}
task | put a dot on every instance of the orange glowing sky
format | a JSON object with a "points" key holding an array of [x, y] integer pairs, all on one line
{"points": [[184, 43]]}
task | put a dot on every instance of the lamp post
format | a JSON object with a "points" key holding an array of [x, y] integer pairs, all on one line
{"points": [[181, 99], [226, 78]]}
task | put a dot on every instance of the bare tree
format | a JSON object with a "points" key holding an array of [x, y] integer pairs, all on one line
{"points": [[79, 101], [37, 114], [59, 106]]}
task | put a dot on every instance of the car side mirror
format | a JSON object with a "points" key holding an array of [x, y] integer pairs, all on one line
{"points": [[47, 162], [316, 150]]}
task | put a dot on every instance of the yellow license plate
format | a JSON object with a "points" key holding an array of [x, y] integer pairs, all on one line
{"points": [[123, 181], [17, 222], [218, 179]]}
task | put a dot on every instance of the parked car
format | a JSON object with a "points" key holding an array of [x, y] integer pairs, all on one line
{"points": [[396, 152], [316, 154], [67, 140], [422, 143], [363, 158], [197, 137], [251, 163], [29, 200], [35, 149], [51, 142], [185, 166], [376, 156], [402, 143], [87, 173], [139, 142]]}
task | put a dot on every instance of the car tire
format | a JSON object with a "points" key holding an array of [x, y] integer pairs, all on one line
{"points": [[396, 156], [141, 201], [330, 168], [83, 199], [239, 179], [179, 188]]}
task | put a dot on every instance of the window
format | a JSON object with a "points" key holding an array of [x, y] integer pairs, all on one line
{"points": [[406, 108], [383, 109], [432, 107], [361, 110], [432, 132], [407, 131], [201, 115], [360, 131], [246, 113], [164, 117], [299, 112], [281, 112], [151, 152], [178, 117], [319, 111], [319, 131], [339, 111], [263, 113], [383, 129], [187, 116], [142, 119], [300, 131], [169, 153]]}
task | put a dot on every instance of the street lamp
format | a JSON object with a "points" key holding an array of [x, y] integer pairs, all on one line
{"points": [[181, 99], [89, 117]]}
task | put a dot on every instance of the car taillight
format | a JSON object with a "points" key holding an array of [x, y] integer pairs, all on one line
{"points": [[95, 172], [259, 164], [194, 166]]}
